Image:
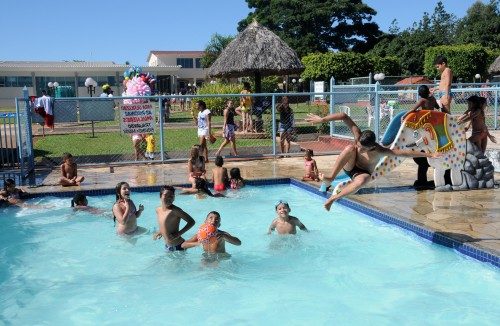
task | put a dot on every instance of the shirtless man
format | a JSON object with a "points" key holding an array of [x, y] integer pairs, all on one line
{"points": [[360, 158], [69, 175], [169, 218], [443, 92], [284, 223], [213, 247]]}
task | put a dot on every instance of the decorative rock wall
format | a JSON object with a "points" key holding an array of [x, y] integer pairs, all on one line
{"points": [[478, 171]]}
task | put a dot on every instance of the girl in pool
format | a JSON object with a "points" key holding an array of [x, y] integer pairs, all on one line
{"points": [[236, 181], [196, 165], [124, 210], [311, 169]]}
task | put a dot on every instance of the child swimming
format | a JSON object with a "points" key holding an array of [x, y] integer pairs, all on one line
{"points": [[211, 237], [124, 210], [80, 202], [219, 175], [11, 194], [284, 223], [236, 181]]}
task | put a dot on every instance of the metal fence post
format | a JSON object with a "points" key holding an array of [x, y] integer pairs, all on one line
{"points": [[496, 109], [273, 123], [160, 122], [28, 132], [332, 125], [376, 113]]}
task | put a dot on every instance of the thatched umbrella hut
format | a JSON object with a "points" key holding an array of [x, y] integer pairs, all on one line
{"points": [[495, 66], [256, 52]]}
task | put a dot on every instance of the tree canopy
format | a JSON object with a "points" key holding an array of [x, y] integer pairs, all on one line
{"points": [[214, 48], [481, 25], [317, 25]]}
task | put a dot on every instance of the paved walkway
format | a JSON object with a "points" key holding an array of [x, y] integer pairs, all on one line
{"points": [[468, 216]]}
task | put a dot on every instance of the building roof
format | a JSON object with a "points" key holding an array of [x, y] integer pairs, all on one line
{"points": [[178, 53], [75, 65], [414, 80]]}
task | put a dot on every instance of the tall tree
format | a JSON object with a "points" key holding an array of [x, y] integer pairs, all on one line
{"points": [[317, 25], [214, 48], [481, 25], [410, 45]]}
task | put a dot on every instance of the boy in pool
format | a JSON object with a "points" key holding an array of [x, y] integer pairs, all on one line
{"points": [[169, 218], [284, 223], [219, 175], [215, 240], [200, 189]]}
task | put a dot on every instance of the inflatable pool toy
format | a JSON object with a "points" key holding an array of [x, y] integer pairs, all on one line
{"points": [[207, 233]]}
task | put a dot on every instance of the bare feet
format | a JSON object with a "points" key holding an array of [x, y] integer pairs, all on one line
{"points": [[328, 203]]}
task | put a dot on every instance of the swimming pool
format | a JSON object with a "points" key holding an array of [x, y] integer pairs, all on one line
{"points": [[63, 267]]}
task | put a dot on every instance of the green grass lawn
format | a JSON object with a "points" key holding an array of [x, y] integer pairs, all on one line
{"points": [[117, 143]]}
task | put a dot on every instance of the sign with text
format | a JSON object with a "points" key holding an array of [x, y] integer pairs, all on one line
{"points": [[138, 118], [319, 87]]}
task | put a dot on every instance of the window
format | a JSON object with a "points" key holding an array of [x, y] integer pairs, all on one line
{"points": [[198, 63], [185, 62]]}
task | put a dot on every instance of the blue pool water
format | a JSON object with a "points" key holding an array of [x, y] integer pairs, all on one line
{"points": [[60, 267]]}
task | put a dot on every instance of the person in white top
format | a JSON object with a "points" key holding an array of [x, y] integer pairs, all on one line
{"points": [[43, 106], [204, 124]]}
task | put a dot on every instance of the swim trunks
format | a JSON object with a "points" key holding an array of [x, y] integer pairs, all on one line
{"points": [[219, 187], [355, 171], [174, 248]]}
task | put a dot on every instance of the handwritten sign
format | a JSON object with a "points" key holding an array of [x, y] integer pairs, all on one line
{"points": [[138, 118]]}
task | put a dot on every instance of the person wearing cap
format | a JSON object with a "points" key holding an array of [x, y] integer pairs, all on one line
{"points": [[106, 91], [284, 223]]}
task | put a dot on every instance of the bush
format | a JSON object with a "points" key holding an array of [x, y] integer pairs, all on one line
{"points": [[217, 104], [345, 65], [464, 60]]}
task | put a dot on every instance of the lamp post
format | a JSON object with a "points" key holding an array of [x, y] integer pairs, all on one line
{"points": [[477, 77], [91, 85], [52, 87], [285, 86]]}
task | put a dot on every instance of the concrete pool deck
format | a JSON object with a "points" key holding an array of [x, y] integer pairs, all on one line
{"points": [[466, 216]]}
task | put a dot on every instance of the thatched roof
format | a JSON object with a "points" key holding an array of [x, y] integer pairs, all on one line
{"points": [[256, 50], [495, 66]]}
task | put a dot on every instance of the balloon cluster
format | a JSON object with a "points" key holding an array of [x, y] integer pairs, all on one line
{"points": [[137, 83]]}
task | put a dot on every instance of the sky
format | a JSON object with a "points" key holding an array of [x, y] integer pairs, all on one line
{"points": [[126, 30]]}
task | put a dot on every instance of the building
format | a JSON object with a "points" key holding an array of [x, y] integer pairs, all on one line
{"points": [[174, 70]]}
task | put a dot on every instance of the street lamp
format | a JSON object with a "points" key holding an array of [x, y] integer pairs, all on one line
{"points": [[285, 86], [476, 77], [293, 82], [52, 87], [91, 85], [379, 77]]}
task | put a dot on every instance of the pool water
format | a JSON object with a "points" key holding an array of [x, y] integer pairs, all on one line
{"points": [[57, 266]]}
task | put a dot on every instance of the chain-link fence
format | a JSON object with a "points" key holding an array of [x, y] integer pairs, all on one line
{"points": [[164, 128]]}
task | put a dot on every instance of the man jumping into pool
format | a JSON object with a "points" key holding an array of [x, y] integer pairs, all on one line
{"points": [[360, 158]]}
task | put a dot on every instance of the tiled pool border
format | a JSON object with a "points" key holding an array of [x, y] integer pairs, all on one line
{"points": [[464, 248]]}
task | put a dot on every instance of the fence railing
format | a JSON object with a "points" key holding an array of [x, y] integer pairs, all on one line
{"points": [[113, 130]]}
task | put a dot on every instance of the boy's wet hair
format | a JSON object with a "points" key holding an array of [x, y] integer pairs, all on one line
{"points": [[66, 156], [234, 173], [440, 60], [309, 152], [423, 91], [167, 188], [367, 138], [213, 212], [280, 202], [219, 161], [78, 199]]}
